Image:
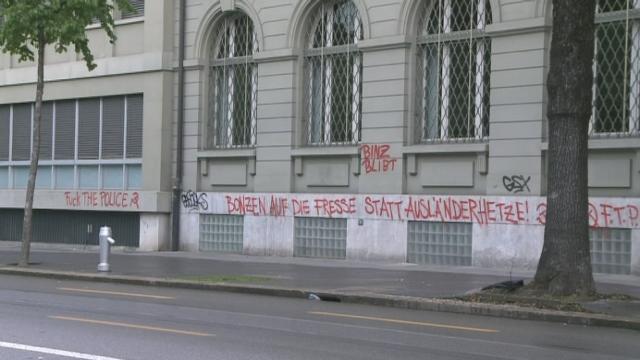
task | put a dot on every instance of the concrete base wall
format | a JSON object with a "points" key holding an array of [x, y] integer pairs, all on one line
{"points": [[507, 232], [155, 232]]}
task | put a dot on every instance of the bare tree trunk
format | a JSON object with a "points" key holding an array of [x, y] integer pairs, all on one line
{"points": [[27, 229], [565, 263]]}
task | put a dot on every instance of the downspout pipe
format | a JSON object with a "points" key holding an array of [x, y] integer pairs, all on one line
{"points": [[177, 185]]}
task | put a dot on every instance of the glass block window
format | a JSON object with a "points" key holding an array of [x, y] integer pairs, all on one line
{"points": [[610, 250], [90, 143], [221, 233], [616, 86], [138, 10], [439, 243], [333, 74], [320, 238], [453, 71], [233, 84]]}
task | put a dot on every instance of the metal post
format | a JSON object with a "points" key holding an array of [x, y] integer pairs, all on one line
{"points": [[105, 248]]}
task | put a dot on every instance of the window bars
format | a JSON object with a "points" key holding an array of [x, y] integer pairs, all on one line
{"points": [[453, 71], [616, 86], [333, 72], [233, 84], [137, 10]]}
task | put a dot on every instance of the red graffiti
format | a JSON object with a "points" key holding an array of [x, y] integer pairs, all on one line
{"points": [[478, 210], [376, 158], [102, 199], [325, 207], [384, 208]]}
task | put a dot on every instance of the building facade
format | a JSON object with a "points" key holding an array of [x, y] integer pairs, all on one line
{"points": [[106, 136], [376, 130]]}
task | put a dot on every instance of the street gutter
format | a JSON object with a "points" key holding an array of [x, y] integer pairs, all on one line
{"points": [[402, 302]]}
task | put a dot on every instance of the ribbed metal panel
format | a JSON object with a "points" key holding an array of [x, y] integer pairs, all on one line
{"points": [[65, 130], [134, 126], [5, 127], [611, 251], [320, 238], [113, 127], [4, 177], [72, 227], [21, 132], [88, 128], [46, 131], [221, 233], [439, 243]]}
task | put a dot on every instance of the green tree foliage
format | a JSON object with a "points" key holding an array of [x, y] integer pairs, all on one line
{"points": [[27, 27], [61, 23]]}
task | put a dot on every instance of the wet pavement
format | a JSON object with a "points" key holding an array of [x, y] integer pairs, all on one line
{"points": [[299, 273]]}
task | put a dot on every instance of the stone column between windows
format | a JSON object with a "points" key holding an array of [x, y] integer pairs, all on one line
{"points": [[517, 117], [384, 77], [275, 130]]}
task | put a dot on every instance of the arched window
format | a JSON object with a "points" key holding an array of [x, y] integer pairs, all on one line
{"points": [[333, 73], [616, 90], [233, 82], [453, 72]]}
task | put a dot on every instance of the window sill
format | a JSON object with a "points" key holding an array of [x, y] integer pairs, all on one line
{"points": [[447, 148], [351, 150], [607, 144], [226, 153], [133, 20]]}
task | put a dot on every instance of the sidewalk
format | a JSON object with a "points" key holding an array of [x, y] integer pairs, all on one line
{"points": [[361, 280]]}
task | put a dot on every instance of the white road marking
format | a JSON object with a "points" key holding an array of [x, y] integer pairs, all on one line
{"points": [[43, 350]]}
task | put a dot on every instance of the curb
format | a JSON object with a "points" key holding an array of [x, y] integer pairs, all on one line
{"points": [[402, 302]]}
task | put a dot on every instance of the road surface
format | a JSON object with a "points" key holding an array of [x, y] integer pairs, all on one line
{"points": [[52, 320]]}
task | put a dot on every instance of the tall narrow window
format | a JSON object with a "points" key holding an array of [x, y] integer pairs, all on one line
{"points": [[616, 89], [454, 57], [233, 82], [333, 70]]}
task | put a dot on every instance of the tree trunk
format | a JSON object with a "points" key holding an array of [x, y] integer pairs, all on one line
{"points": [[565, 264], [27, 228]]}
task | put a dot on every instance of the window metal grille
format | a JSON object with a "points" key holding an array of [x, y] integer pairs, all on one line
{"points": [[89, 113], [320, 238], [113, 127], [616, 88], [611, 250], [333, 72], [453, 71], [46, 132], [21, 138], [233, 84], [5, 131], [221, 233], [138, 10], [439, 243], [65, 132]]}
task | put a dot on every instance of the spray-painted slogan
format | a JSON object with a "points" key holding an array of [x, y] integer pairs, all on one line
{"points": [[376, 158], [603, 212], [102, 199]]}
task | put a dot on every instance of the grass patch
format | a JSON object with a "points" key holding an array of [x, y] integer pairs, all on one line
{"points": [[525, 298], [217, 279]]}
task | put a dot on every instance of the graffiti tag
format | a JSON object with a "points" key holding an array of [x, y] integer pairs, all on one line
{"points": [[194, 201], [516, 183]]}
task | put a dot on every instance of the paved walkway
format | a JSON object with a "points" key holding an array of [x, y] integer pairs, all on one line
{"points": [[321, 275]]}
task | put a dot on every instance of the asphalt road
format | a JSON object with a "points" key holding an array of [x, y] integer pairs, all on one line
{"points": [[49, 319]]}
